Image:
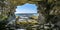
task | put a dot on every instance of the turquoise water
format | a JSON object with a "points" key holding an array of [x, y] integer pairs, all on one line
{"points": [[27, 14]]}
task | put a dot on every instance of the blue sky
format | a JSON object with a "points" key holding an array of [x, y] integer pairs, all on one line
{"points": [[26, 8]]}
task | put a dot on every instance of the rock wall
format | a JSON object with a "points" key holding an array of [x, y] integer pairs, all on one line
{"points": [[6, 13], [49, 10]]}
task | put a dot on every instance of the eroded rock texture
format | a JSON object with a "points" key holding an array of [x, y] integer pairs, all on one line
{"points": [[49, 10]]}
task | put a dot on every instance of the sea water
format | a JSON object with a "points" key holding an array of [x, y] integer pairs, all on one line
{"points": [[27, 14]]}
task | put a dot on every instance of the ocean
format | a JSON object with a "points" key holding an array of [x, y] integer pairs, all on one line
{"points": [[26, 14]]}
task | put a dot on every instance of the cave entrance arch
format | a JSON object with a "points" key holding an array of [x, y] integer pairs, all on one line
{"points": [[40, 17], [38, 3]]}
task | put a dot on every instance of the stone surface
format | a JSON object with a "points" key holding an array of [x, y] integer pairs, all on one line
{"points": [[48, 8]]}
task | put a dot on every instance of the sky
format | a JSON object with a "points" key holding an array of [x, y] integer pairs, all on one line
{"points": [[26, 8]]}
